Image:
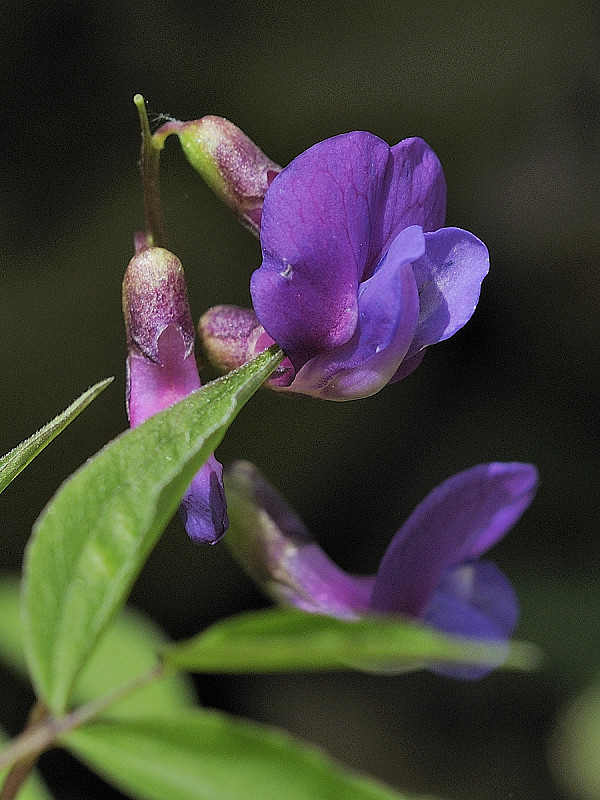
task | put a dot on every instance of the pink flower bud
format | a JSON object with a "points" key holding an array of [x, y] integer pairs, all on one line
{"points": [[232, 165], [161, 369], [231, 336]]}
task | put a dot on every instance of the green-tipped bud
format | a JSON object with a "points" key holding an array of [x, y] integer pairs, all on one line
{"points": [[161, 370], [232, 165], [154, 297]]}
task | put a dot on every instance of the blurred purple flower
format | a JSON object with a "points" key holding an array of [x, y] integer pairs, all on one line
{"points": [[431, 570], [358, 275], [161, 369]]}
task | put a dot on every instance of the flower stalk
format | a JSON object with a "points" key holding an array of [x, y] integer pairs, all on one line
{"points": [[149, 166], [22, 768], [43, 730]]}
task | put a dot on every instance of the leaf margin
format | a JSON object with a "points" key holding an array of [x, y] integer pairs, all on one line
{"points": [[220, 647], [29, 448]]}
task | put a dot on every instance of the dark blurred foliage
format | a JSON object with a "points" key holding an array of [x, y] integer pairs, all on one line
{"points": [[509, 96]]}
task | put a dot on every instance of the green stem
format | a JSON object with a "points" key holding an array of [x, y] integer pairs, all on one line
{"points": [[41, 734], [149, 165]]}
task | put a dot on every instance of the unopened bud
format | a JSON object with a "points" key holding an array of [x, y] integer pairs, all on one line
{"points": [[155, 297], [231, 336], [232, 165], [161, 369]]}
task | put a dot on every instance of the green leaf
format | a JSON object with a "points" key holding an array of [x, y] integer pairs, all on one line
{"points": [[127, 650], [202, 755], [94, 536], [285, 640], [33, 788], [19, 457]]}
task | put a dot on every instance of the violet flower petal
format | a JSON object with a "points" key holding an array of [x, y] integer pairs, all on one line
{"points": [[327, 220], [477, 601], [388, 306], [484, 588], [414, 193], [458, 520], [203, 508], [449, 278], [159, 384], [315, 235]]}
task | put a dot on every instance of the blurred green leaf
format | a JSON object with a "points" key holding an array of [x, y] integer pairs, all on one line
{"points": [[33, 788], [205, 755], [94, 536], [284, 640], [127, 650], [19, 457], [575, 748]]}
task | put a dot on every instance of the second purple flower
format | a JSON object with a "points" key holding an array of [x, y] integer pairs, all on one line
{"points": [[431, 571]]}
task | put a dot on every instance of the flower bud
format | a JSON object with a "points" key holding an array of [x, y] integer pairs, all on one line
{"points": [[161, 369], [232, 165], [231, 336], [155, 297]]}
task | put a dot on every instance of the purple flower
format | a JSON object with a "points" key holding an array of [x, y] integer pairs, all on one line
{"points": [[358, 275], [161, 369], [431, 570]]}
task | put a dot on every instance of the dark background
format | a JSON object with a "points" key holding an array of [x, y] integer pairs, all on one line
{"points": [[508, 95]]}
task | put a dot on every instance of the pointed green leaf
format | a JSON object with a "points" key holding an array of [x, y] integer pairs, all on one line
{"points": [[33, 788], [127, 650], [94, 536], [202, 755], [19, 457], [287, 640]]}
